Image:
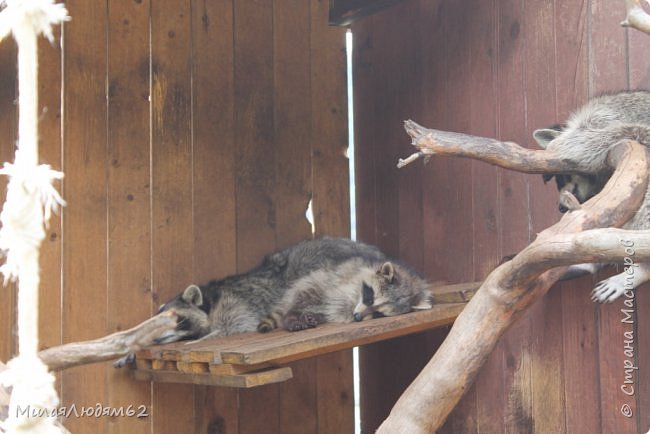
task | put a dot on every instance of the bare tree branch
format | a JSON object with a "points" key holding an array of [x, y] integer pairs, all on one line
{"points": [[636, 17], [516, 284], [109, 347], [508, 155]]}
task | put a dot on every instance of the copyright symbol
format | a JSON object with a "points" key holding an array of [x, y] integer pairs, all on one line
{"points": [[626, 410]]}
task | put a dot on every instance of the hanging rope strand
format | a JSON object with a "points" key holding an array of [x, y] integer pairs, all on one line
{"points": [[30, 199]]}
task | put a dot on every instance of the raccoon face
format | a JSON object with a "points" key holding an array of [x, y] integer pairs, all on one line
{"points": [[390, 292], [583, 187], [193, 321]]}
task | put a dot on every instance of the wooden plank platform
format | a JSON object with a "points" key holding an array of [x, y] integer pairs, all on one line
{"points": [[254, 359]]}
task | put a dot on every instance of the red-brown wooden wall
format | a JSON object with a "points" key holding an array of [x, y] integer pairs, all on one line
{"points": [[497, 68], [192, 135]]}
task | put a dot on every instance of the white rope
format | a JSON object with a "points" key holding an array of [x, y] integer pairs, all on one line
{"points": [[30, 200]]}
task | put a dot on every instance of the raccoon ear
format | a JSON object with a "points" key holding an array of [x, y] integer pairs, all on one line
{"points": [[544, 136], [193, 295], [388, 271]]}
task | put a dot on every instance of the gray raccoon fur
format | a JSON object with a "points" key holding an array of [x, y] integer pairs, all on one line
{"points": [[584, 141], [353, 290], [238, 303]]}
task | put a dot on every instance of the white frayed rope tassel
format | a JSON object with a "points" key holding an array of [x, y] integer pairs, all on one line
{"points": [[30, 199]]}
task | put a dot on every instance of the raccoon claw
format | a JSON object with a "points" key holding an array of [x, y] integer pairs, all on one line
{"points": [[607, 291]]}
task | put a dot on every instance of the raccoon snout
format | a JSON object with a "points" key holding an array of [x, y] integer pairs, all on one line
{"points": [[357, 316]]}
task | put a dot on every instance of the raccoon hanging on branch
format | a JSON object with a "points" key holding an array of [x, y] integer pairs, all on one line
{"points": [[516, 284]]}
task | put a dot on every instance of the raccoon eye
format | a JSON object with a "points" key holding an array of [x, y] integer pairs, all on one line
{"points": [[368, 295]]}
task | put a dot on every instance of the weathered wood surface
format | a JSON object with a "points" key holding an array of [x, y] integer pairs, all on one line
{"points": [[513, 287]]}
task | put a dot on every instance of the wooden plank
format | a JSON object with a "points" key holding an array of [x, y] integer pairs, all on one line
{"points": [[513, 213], [458, 242], [482, 30], [84, 187], [580, 351], [432, 95], [608, 71], [171, 186], [333, 337], [8, 137], [49, 98], [639, 78], [129, 242], [255, 181], [331, 198], [546, 384], [246, 381], [293, 179], [214, 207]]}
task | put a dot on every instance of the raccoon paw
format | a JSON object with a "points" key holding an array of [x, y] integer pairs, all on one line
{"points": [[608, 290], [124, 361], [305, 320]]}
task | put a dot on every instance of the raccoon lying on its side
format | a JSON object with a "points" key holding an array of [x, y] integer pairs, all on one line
{"points": [[238, 303], [353, 290], [586, 138]]}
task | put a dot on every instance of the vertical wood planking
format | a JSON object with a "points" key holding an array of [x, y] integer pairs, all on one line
{"points": [[171, 184], [255, 178], [580, 349], [608, 72], [482, 28], [331, 199], [458, 240], [8, 137], [365, 84], [513, 212], [49, 131], [293, 180], [432, 89], [547, 378], [639, 78], [129, 230], [214, 224], [85, 187]]}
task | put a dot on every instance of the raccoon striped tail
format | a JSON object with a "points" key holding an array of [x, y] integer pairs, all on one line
{"points": [[273, 321]]}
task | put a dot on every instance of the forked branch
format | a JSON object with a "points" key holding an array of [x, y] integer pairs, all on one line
{"points": [[515, 285]]}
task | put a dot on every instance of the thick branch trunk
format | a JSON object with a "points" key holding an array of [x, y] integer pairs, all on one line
{"points": [[109, 347], [514, 286]]}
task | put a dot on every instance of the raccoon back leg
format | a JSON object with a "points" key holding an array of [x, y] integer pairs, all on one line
{"points": [[271, 322], [610, 289], [306, 310]]}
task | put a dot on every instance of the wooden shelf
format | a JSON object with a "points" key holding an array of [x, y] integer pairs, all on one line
{"points": [[253, 359]]}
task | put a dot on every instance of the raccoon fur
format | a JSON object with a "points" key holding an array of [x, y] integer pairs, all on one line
{"points": [[352, 291], [238, 303], [585, 141]]}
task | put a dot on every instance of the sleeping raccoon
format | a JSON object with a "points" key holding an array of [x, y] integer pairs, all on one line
{"points": [[586, 138], [238, 303], [353, 290]]}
